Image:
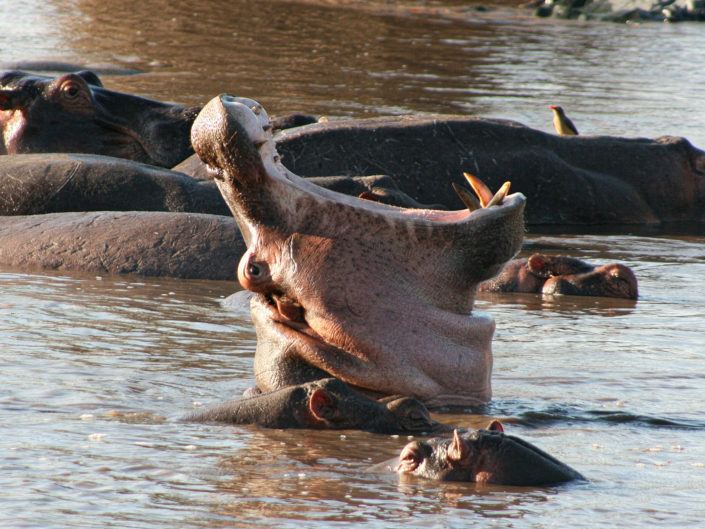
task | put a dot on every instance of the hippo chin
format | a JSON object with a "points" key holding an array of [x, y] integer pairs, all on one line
{"points": [[485, 457], [74, 113], [378, 296]]}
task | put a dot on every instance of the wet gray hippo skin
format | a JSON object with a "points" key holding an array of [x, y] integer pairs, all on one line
{"points": [[377, 296], [186, 245], [56, 182], [483, 456], [74, 113], [577, 180], [556, 275], [326, 404]]}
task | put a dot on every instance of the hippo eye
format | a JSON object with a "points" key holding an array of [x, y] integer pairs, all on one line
{"points": [[253, 270], [70, 89]]}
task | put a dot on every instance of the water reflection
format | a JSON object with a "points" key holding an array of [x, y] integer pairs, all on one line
{"points": [[370, 58]]}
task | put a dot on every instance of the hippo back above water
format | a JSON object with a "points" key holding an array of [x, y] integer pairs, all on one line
{"points": [[74, 113]]}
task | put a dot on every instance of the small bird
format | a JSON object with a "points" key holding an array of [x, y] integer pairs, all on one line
{"points": [[563, 125]]}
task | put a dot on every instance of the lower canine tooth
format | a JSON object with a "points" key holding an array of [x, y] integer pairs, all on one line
{"points": [[499, 195], [482, 191], [471, 202]]}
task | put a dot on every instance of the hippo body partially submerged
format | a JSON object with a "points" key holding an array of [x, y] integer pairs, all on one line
{"points": [[58, 182], [326, 404], [378, 296], [150, 243], [74, 113], [560, 275], [568, 180], [485, 457]]}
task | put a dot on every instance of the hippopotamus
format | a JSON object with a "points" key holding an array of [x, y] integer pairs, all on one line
{"points": [[378, 296], [58, 182], [74, 113], [150, 243], [326, 404], [487, 456], [61, 182], [556, 275], [568, 180]]}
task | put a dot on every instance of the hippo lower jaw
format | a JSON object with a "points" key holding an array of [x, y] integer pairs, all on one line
{"points": [[378, 296]]}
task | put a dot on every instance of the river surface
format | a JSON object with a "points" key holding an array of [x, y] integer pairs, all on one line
{"points": [[97, 370]]}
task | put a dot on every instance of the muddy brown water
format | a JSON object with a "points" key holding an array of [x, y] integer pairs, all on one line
{"points": [[96, 370]]}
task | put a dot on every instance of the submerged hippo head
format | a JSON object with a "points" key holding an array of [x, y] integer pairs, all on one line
{"points": [[378, 296], [483, 456], [327, 404], [74, 113], [560, 275]]}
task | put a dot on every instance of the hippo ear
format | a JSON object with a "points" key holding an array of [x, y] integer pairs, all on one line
{"points": [[458, 449], [539, 265], [90, 77], [322, 405], [495, 426]]}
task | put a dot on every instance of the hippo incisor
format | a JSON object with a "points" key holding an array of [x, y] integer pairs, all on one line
{"points": [[378, 296]]}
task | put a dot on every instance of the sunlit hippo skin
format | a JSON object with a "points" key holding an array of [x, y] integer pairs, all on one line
{"points": [[576, 180], [74, 113], [559, 275], [377, 296], [326, 404], [156, 244], [484, 457]]}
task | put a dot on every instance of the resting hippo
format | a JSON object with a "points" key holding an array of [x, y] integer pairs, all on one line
{"points": [[74, 113], [568, 180], [56, 182], [327, 404], [378, 296], [483, 456], [556, 275], [186, 245]]}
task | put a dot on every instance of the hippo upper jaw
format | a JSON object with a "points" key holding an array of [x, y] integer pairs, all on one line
{"points": [[378, 296]]}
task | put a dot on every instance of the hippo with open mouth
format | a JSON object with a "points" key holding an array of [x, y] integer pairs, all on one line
{"points": [[74, 113], [378, 296]]}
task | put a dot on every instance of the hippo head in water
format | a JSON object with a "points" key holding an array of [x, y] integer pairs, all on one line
{"points": [[378, 296], [483, 456], [74, 113], [326, 404], [561, 275]]}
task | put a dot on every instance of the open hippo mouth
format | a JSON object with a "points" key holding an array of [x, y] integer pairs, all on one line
{"points": [[378, 296]]}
